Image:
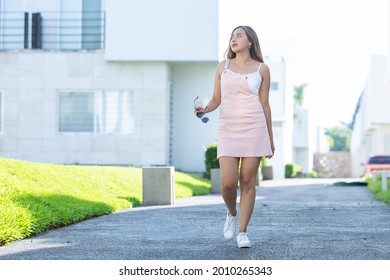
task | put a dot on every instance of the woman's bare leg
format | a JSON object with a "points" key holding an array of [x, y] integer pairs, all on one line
{"points": [[229, 182], [248, 173]]}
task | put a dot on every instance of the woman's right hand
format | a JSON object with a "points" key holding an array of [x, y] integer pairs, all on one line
{"points": [[198, 109]]}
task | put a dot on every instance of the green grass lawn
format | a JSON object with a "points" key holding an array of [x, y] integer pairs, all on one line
{"points": [[376, 188], [36, 197]]}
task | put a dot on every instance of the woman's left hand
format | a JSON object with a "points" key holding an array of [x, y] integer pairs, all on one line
{"points": [[273, 150]]}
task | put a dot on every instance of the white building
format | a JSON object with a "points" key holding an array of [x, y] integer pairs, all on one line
{"points": [[371, 132], [281, 102], [308, 139], [304, 136], [113, 82]]}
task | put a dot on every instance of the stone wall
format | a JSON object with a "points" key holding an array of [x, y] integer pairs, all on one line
{"points": [[332, 165]]}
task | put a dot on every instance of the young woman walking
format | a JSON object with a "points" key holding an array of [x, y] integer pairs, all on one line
{"points": [[241, 91]]}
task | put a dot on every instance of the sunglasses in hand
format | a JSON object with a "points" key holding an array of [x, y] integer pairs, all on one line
{"points": [[200, 114]]}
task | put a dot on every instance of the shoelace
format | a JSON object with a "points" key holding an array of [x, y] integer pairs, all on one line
{"points": [[230, 221], [242, 236]]}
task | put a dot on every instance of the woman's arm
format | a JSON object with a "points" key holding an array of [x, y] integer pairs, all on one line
{"points": [[216, 98], [264, 100]]}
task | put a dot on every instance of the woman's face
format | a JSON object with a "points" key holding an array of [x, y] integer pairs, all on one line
{"points": [[239, 40]]}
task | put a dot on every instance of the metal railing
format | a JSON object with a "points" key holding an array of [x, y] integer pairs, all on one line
{"points": [[52, 30]]}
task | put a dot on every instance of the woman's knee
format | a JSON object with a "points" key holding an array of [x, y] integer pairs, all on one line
{"points": [[228, 186], [248, 172], [247, 182]]}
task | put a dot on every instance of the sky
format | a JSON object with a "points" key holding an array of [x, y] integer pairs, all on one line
{"points": [[326, 44]]}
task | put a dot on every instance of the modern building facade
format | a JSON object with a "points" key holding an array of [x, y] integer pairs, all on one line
{"points": [[371, 132], [303, 140], [113, 82], [281, 102]]}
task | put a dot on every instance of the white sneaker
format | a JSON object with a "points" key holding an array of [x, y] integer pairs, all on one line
{"points": [[243, 241], [229, 230]]}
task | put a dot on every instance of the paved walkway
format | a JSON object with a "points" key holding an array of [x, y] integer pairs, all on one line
{"points": [[293, 219]]}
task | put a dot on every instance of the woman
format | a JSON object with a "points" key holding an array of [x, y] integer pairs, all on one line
{"points": [[241, 90]]}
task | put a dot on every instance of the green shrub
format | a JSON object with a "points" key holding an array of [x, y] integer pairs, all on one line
{"points": [[376, 188], [211, 160], [313, 174], [291, 170], [263, 161]]}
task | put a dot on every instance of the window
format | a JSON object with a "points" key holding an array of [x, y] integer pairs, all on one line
{"points": [[61, 24], [92, 24], [76, 112], [11, 24], [101, 112], [274, 86], [114, 112], [81, 24]]}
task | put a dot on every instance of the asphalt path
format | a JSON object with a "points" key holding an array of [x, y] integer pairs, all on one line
{"points": [[299, 219]]}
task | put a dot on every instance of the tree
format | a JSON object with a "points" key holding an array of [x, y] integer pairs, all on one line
{"points": [[339, 138], [299, 96]]}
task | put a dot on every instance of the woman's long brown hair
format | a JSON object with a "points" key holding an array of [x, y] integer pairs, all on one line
{"points": [[254, 51]]}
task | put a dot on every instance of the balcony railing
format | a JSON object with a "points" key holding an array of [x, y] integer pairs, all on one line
{"points": [[51, 30]]}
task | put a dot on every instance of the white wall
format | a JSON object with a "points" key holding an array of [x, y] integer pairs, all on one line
{"points": [[322, 144], [190, 135], [30, 81], [281, 109], [372, 127], [301, 137], [278, 98], [279, 160], [170, 30], [388, 42], [378, 98], [306, 140], [301, 129]]}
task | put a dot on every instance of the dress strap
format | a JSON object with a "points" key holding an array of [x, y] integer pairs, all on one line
{"points": [[261, 63], [227, 64]]}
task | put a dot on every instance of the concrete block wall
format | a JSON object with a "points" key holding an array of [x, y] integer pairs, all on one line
{"points": [[158, 185]]}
